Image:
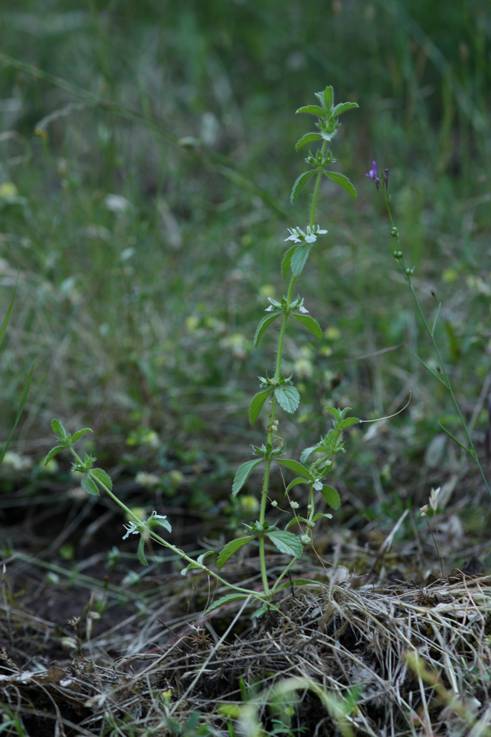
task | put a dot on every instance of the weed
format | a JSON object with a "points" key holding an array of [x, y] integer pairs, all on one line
{"points": [[277, 392]]}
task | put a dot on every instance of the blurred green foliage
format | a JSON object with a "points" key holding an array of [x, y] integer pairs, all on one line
{"points": [[135, 256]]}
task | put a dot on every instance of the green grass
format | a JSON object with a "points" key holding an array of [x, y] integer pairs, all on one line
{"points": [[142, 319]]}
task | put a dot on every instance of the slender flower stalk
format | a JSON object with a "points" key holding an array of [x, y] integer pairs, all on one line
{"points": [[441, 373]]}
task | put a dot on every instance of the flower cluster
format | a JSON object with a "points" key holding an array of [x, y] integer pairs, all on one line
{"points": [[309, 235]]}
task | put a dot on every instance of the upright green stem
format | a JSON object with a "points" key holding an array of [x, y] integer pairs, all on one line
{"points": [[272, 413]]}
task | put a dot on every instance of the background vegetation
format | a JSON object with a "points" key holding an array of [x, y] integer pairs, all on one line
{"points": [[146, 161]]}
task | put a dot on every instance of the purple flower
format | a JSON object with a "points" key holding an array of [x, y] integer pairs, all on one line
{"points": [[373, 174]]}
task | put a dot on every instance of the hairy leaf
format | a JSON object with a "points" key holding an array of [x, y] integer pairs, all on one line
{"points": [[331, 497], [305, 454], [287, 397], [298, 481], [307, 138], [242, 474], [300, 183], [348, 422], [52, 453], [286, 542], [80, 434], [310, 323], [102, 477], [342, 181], [140, 552], [316, 110], [264, 324], [343, 107], [295, 466], [89, 485], [257, 403], [299, 259], [231, 548], [286, 260], [227, 599], [328, 95], [58, 429]]}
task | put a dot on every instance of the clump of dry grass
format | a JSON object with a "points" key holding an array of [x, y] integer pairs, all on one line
{"points": [[408, 660]]}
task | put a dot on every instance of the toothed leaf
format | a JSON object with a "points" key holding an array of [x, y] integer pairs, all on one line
{"points": [[287, 397]]}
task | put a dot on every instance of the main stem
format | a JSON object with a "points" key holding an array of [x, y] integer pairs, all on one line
{"points": [[272, 413]]}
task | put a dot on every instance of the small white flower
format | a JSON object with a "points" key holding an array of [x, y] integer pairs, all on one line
{"points": [[131, 529], [269, 308], [302, 309], [309, 235], [318, 485], [274, 503], [294, 505], [295, 235], [305, 539]]}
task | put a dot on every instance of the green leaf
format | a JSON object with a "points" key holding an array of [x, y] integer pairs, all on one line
{"points": [[264, 324], [80, 434], [343, 107], [140, 552], [348, 422], [298, 481], [307, 138], [242, 474], [226, 600], [295, 466], [305, 454], [231, 548], [310, 323], [331, 497], [286, 542], [102, 477], [52, 453], [342, 181], [257, 403], [328, 96], [89, 485], [300, 183], [58, 429], [316, 110], [287, 397], [299, 259], [286, 260]]}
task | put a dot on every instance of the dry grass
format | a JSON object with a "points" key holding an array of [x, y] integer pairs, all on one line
{"points": [[419, 658]]}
